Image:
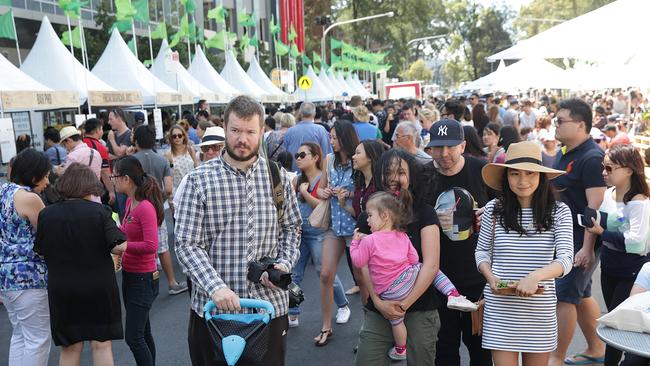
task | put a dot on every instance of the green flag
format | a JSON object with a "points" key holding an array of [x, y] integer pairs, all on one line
{"points": [[190, 5], [273, 27], [254, 41], [72, 8], [280, 48], [294, 51], [7, 25], [246, 20], [142, 10], [73, 37], [125, 11], [292, 34], [200, 35], [148, 62], [131, 45], [244, 42], [184, 28], [121, 25], [335, 43], [192, 31], [219, 14], [160, 32], [5, 3], [306, 60], [174, 40], [220, 40], [316, 57]]}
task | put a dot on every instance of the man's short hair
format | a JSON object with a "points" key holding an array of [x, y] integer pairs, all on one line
{"points": [[244, 107], [475, 95], [145, 137], [355, 101], [203, 113], [377, 102], [307, 109], [319, 113], [409, 129], [610, 127], [203, 125], [91, 125], [407, 106], [52, 134], [579, 110], [456, 108], [270, 122]]}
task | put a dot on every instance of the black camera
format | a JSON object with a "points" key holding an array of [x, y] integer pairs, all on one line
{"points": [[279, 278]]}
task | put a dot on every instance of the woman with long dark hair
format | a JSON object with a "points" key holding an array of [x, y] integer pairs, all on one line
{"points": [[507, 135], [473, 144], [309, 160], [525, 242], [480, 118], [337, 185], [143, 215], [626, 235], [398, 172], [491, 140]]}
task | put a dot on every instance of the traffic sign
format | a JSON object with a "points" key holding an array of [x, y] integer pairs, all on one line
{"points": [[304, 83]]}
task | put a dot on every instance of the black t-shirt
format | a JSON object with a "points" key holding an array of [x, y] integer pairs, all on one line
{"points": [[457, 257], [424, 215]]}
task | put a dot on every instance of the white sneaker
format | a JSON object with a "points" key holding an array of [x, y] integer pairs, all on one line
{"points": [[293, 321], [343, 315], [461, 303]]}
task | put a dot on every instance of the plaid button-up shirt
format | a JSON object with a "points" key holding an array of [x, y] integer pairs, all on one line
{"points": [[225, 219]]}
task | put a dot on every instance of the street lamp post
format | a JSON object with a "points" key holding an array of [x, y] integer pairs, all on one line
{"points": [[322, 41], [417, 40]]}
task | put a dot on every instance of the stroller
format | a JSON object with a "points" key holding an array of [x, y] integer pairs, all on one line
{"points": [[242, 337]]}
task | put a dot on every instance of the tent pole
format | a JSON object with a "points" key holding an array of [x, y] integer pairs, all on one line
{"points": [[13, 22]]}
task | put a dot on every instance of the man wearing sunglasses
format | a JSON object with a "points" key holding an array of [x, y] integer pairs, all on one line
{"points": [[582, 185]]}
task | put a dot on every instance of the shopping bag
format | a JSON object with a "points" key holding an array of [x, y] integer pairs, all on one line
{"points": [[632, 314], [320, 216]]}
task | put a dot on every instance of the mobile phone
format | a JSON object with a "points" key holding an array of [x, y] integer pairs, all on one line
{"points": [[585, 221]]}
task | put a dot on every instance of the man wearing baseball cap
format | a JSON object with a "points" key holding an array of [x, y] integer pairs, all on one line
{"points": [[457, 173]]}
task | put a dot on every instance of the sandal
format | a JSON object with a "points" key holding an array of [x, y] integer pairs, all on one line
{"points": [[582, 359], [324, 333]]}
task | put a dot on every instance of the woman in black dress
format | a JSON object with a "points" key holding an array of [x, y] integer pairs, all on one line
{"points": [[77, 236]]}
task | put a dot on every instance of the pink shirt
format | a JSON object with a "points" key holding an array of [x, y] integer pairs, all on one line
{"points": [[82, 154], [141, 229], [387, 254]]}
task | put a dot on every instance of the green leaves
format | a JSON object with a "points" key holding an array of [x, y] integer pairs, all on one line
{"points": [[219, 14], [7, 26], [73, 37]]}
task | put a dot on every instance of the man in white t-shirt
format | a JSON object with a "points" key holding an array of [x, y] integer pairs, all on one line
{"points": [[527, 117]]}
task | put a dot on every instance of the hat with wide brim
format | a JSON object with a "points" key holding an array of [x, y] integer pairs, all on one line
{"points": [[525, 155], [68, 131], [213, 136]]}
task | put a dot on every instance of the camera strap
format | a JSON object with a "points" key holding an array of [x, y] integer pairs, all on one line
{"points": [[276, 187]]}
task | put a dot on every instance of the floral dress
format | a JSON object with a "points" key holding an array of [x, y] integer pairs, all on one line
{"points": [[183, 164], [20, 267]]}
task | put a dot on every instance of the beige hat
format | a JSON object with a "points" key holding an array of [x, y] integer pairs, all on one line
{"points": [[526, 155], [361, 114], [212, 136], [68, 131]]}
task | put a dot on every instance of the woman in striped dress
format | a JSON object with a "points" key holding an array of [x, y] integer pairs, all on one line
{"points": [[525, 242]]}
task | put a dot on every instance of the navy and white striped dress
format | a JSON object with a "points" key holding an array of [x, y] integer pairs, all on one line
{"points": [[523, 324]]}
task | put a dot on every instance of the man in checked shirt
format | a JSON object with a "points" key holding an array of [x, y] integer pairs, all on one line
{"points": [[226, 218]]}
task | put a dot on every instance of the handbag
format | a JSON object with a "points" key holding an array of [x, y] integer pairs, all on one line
{"points": [[477, 316], [320, 216]]}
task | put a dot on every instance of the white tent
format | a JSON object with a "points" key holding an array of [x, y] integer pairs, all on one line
{"points": [[236, 76], [119, 67], [172, 73], [255, 72], [318, 91], [343, 88], [358, 88], [328, 84], [356, 80], [52, 64], [347, 88], [18, 91], [583, 37], [201, 69], [487, 81]]}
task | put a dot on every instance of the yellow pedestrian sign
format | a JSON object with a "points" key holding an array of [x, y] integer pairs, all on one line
{"points": [[304, 83]]}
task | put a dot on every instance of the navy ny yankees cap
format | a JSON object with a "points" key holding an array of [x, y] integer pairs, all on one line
{"points": [[446, 132]]}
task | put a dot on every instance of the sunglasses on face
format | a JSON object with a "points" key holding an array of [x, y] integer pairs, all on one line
{"points": [[610, 168], [179, 136], [301, 155], [215, 147], [113, 177]]}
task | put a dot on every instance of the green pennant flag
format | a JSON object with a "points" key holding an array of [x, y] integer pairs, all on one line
{"points": [[306, 60], [219, 14], [72, 8], [200, 35], [5, 3], [335, 43], [184, 28], [254, 41], [316, 57], [220, 40], [292, 34], [7, 25], [190, 5], [142, 10], [148, 62], [121, 25], [131, 45], [273, 27], [73, 37], [160, 32], [246, 20], [174, 40], [294, 51], [280, 48], [192, 31], [244, 42], [125, 11]]}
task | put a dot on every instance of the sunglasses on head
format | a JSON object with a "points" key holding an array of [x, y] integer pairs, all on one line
{"points": [[300, 155]]}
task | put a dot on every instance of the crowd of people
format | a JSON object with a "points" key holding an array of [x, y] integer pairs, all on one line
{"points": [[458, 218]]}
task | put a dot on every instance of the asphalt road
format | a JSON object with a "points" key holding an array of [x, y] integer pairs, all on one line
{"points": [[170, 314]]}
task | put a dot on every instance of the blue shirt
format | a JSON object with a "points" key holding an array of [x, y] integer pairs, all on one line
{"points": [[306, 131], [340, 176], [52, 154], [192, 135], [365, 131], [584, 167]]}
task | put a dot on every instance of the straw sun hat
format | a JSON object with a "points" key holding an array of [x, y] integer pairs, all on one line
{"points": [[525, 155]]}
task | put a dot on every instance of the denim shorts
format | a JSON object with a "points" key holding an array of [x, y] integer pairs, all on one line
{"points": [[576, 285], [329, 234]]}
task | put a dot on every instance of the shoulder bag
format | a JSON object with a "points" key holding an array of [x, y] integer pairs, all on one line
{"points": [[477, 316]]}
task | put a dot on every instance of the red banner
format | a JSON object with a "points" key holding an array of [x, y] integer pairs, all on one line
{"points": [[292, 12]]}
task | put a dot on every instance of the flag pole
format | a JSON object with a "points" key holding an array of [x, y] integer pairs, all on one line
{"points": [[13, 22], [135, 38], [150, 42], [84, 57], [70, 33]]}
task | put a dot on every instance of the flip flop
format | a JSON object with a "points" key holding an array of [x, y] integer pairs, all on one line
{"points": [[582, 359], [328, 334]]}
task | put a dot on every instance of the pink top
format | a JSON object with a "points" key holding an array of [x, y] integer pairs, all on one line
{"points": [[141, 229], [387, 254], [82, 154]]}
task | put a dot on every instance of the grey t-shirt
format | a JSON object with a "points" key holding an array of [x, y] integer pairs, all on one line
{"points": [[154, 165], [123, 139], [510, 117]]}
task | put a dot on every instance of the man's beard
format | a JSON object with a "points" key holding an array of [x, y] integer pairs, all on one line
{"points": [[236, 157]]}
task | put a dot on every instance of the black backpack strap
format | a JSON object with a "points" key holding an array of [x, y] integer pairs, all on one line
{"points": [[58, 156], [92, 155], [276, 187]]}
